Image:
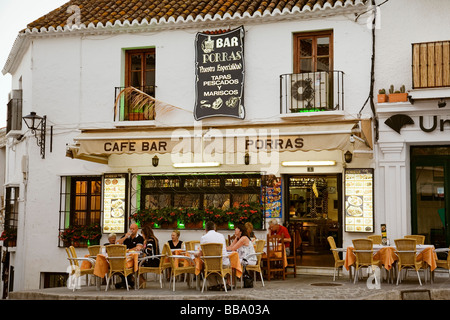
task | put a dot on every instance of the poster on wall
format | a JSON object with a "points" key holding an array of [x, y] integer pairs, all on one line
{"points": [[219, 70], [272, 195], [359, 200], [114, 203]]}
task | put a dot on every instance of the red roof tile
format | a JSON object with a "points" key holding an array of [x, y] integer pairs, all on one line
{"points": [[104, 11]]}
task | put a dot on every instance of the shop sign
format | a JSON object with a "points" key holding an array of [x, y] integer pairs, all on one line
{"points": [[219, 70], [114, 203], [359, 200], [272, 197], [398, 121]]}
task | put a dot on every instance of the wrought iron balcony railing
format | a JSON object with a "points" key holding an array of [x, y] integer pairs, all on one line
{"points": [[312, 92], [134, 103]]}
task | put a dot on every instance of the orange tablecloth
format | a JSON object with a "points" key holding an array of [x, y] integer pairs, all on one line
{"points": [[234, 262], [388, 257], [276, 255], [102, 265]]}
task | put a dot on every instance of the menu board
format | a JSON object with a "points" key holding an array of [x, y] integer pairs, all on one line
{"points": [[114, 203], [272, 194], [359, 200]]}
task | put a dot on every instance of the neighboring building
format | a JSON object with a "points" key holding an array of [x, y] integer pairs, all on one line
{"points": [[412, 191], [136, 95]]}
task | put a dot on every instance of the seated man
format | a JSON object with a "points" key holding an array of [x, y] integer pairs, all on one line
{"points": [[275, 228], [212, 236]]}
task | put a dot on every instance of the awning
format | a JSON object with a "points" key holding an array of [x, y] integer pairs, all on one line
{"points": [[98, 145]]}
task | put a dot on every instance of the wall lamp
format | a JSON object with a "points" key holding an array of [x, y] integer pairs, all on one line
{"points": [[247, 159], [442, 103], [37, 125], [348, 156], [155, 161], [309, 163]]}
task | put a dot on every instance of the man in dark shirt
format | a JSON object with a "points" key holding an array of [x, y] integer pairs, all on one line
{"points": [[133, 241]]}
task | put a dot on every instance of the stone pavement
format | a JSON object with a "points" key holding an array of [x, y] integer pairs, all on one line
{"points": [[302, 287]]}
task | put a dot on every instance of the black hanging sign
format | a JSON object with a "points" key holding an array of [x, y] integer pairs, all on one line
{"points": [[219, 67]]}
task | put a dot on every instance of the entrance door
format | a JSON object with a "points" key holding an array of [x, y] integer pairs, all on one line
{"points": [[430, 199]]}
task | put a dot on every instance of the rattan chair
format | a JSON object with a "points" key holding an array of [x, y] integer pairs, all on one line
{"points": [[444, 264], [212, 257], [420, 239], [160, 269], [406, 252], [190, 245], [117, 257], [376, 239], [338, 262], [94, 250], [175, 267], [275, 256], [75, 265], [363, 249], [259, 249]]}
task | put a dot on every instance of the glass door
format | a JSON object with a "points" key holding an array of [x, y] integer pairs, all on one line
{"points": [[430, 198]]}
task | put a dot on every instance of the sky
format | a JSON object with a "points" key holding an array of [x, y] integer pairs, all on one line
{"points": [[14, 16]]}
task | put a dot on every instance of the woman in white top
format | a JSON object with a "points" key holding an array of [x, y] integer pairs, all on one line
{"points": [[243, 245]]}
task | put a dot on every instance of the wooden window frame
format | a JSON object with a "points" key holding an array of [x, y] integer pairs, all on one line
{"points": [[431, 64], [314, 36], [89, 211], [128, 71]]}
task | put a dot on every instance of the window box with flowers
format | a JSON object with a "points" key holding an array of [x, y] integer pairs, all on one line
{"points": [[9, 237], [193, 218], [81, 236]]}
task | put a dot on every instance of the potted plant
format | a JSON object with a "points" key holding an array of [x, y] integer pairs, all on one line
{"points": [[193, 218], [167, 217], [398, 95], [92, 234], [382, 96], [218, 216], [9, 237]]}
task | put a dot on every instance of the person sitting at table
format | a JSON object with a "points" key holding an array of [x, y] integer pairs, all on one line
{"points": [[212, 236], [243, 245], [111, 239], [175, 242], [151, 246], [275, 229], [132, 239]]}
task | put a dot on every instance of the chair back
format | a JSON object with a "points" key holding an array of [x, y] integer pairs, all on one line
{"points": [[363, 249], [231, 238], [69, 257], [259, 248], [214, 250], [408, 246], [333, 246], [190, 245], [74, 255], [375, 238], [275, 246], [94, 250], [419, 238], [117, 256], [165, 261]]}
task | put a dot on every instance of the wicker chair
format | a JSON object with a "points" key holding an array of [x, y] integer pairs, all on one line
{"points": [[212, 257], [259, 249], [419, 238], [444, 264], [292, 258], [75, 266], [406, 252], [363, 249], [190, 245], [117, 257], [376, 239], [160, 269], [176, 268], [275, 256], [94, 250], [338, 262]]}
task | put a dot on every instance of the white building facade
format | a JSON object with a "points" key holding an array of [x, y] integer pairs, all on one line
{"points": [[78, 71]]}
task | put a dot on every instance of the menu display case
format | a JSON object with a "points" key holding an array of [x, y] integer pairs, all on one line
{"points": [[114, 203], [359, 200]]}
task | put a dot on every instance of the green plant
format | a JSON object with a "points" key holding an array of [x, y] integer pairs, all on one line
{"points": [[192, 215], [382, 91], [391, 89], [81, 233]]}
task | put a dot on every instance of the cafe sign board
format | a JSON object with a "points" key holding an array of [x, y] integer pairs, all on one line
{"points": [[219, 67], [359, 200], [114, 203]]}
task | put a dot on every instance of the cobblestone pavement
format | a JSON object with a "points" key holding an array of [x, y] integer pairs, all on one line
{"points": [[302, 287]]}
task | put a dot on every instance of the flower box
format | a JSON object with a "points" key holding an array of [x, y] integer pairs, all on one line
{"points": [[398, 97]]}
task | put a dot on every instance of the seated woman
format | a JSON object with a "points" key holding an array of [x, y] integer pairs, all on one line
{"points": [[243, 245], [151, 246], [175, 243]]}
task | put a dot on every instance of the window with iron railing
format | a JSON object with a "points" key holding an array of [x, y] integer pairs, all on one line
{"points": [[135, 101], [431, 64], [313, 86]]}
